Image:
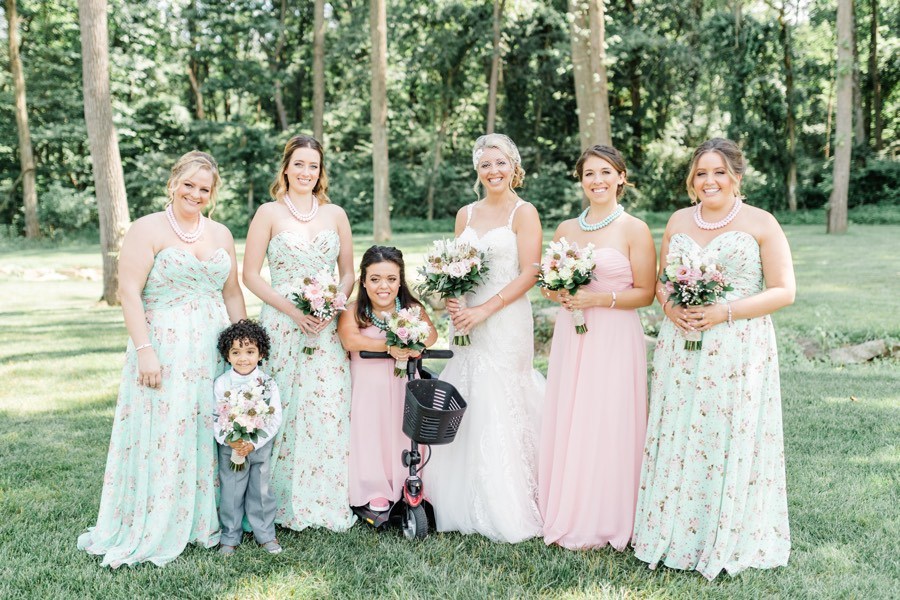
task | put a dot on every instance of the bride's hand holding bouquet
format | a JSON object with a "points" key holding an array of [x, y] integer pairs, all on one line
{"points": [[453, 269]]}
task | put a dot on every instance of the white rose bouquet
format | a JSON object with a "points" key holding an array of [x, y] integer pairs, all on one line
{"points": [[453, 269], [321, 297], [565, 266], [242, 413]]}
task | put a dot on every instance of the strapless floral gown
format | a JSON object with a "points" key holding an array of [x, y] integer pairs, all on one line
{"points": [[311, 452], [159, 490], [712, 493]]}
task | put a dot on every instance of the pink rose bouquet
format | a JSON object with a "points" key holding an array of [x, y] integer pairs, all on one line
{"points": [[694, 279], [321, 297], [242, 413], [565, 266], [406, 329], [453, 269]]}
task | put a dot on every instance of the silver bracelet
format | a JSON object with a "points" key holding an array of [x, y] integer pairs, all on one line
{"points": [[142, 346], [613, 305]]}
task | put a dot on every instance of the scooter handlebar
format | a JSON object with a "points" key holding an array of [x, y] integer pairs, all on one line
{"points": [[425, 354]]}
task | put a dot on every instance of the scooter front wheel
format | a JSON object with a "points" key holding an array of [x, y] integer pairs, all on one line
{"points": [[415, 523]]}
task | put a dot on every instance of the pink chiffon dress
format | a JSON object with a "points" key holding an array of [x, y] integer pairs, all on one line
{"points": [[376, 427], [595, 420]]}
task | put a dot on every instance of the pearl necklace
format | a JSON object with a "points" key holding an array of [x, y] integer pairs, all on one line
{"points": [[698, 218], [585, 226], [382, 324], [297, 214], [187, 238]]}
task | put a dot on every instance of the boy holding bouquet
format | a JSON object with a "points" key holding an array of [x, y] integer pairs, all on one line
{"points": [[248, 415]]}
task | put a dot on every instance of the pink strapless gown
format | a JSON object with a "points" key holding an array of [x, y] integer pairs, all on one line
{"points": [[595, 420], [376, 428]]}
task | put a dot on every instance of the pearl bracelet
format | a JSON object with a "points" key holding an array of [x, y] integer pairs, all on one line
{"points": [[730, 319], [142, 346], [613, 305]]}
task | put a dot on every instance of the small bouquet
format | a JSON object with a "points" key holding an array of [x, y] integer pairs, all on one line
{"points": [[242, 413], [566, 266], [321, 297], [694, 279], [453, 269], [406, 329]]}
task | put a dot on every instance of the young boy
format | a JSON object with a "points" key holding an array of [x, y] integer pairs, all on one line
{"points": [[246, 492]]}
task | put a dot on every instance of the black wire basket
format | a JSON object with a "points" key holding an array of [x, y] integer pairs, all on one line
{"points": [[432, 411]]}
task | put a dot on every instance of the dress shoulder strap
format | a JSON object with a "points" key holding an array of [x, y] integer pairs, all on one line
{"points": [[469, 213], [512, 214]]}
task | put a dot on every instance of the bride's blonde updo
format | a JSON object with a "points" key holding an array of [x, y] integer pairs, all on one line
{"points": [[505, 145]]}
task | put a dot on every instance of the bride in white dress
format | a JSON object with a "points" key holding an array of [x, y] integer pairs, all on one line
{"points": [[486, 480]]}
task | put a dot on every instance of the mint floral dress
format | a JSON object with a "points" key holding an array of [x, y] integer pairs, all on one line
{"points": [[159, 490], [310, 468], [712, 492]]}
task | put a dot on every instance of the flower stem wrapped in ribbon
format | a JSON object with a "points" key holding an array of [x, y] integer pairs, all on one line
{"points": [[242, 414], [406, 329], [321, 297], [565, 266], [694, 279], [453, 269]]}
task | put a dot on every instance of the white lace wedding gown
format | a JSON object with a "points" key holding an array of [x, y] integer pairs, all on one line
{"points": [[486, 480]]}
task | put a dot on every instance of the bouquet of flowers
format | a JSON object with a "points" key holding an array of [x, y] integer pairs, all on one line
{"points": [[565, 266], [694, 279], [453, 269], [406, 329], [242, 413], [321, 297]]}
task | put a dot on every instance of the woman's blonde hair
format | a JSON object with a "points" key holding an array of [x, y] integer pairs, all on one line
{"points": [[505, 145], [186, 166], [280, 186], [732, 157]]}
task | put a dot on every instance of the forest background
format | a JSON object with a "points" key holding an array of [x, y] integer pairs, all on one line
{"points": [[235, 78]]}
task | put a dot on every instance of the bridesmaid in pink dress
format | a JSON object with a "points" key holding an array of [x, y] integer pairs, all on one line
{"points": [[595, 412], [376, 412]]}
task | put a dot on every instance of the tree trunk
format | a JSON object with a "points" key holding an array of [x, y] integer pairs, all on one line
{"points": [[275, 64], [109, 182], [381, 206], [600, 91], [193, 67], [319, 69], [436, 163], [495, 68], [589, 64], [634, 92], [859, 126], [26, 154], [875, 80], [580, 70], [790, 118], [843, 142]]}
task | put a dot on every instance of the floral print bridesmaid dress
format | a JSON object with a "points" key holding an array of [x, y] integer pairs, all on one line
{"points": [[310, 469], [712, 492], [159, 490]]}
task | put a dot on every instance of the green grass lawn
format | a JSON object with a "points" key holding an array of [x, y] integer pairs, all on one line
{"points": [[60, 358]]}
